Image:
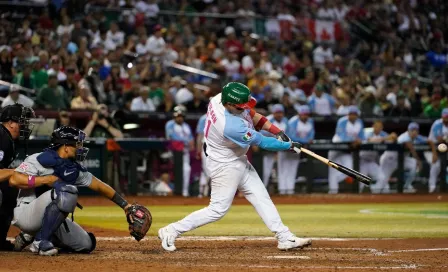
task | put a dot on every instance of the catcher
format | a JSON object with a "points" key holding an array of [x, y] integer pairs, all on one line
{"points": [[48, 184]]}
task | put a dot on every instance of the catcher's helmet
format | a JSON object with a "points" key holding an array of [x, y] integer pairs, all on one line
{"points": [[21, 115], [70, 136]]}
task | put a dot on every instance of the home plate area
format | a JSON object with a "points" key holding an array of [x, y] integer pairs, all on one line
{"points": [[243, 254]]}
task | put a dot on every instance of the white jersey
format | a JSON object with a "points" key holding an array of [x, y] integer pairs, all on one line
{"points": [[219, 147], [371, 155]]}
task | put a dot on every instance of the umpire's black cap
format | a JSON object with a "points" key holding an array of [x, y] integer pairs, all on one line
{"points": [[19, 114], [12, 113]]}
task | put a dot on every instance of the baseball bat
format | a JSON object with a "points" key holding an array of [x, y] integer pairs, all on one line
{"points": [[349, 172]]}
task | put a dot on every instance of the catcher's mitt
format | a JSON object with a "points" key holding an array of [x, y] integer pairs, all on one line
{"points": [[139, 219]]}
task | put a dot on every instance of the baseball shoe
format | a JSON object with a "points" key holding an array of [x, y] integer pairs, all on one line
{"points": [[294, 242], [22, 241], [46, 248], [168, 236]]}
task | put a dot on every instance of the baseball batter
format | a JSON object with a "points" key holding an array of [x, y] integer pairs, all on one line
{"points": [[349, 129], [438, 134], [41, 213], [200, 154], [300, 129], [230, 129], [178, 130], [368, 164], [278, 119], [389, 160]]}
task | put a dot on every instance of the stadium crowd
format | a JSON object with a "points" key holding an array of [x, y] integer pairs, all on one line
{"points": [[389, 57]]}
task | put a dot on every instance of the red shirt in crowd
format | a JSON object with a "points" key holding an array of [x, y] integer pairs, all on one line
{"points": [[234, 46], [306, 87]]}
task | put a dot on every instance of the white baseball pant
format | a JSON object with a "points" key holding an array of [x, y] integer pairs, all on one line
{"points": [[226, 178], [334, 176], [203, 180], [434, 171], [186, 173], [290, 167], [369, 168], [28, 218], [388, 164]]}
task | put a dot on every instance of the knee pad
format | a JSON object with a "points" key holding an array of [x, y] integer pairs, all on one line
{"points": [[66, 199]]}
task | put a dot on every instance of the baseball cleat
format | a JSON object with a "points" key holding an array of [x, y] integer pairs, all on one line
{"points": [[168, 236], [22, 241], [294, 242], [46, 248]]}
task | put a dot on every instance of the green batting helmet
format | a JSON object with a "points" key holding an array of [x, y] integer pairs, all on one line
{"points": [[237, 94]]}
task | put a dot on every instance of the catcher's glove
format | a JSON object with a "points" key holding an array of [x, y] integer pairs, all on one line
{"points": [[139, 219]]}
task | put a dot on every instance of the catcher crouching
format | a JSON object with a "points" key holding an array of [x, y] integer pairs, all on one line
{"points": [[48, 183]]}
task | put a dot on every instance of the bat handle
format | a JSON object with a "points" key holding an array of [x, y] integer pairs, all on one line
{"points": [[297, 150]]}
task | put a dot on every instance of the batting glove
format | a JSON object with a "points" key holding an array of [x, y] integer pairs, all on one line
{"points": [[296, 147], [283, 137]]}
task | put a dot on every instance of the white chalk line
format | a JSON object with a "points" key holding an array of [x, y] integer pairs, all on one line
{"points": [[288, 257], [418, 250], [429, 216], [406, 266]]}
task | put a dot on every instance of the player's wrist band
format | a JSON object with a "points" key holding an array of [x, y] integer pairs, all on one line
{"points": [[31, 181], [274, 130], [120, 201]]}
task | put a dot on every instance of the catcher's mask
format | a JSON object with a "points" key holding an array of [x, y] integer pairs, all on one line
{"points": [[21, 115], [70, 136]]}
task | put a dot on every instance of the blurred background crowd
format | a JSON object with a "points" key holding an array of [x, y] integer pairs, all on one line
{"points": [[388, 57]]}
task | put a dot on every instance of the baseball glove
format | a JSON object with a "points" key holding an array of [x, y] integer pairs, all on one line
{"points": [[139, 219]]}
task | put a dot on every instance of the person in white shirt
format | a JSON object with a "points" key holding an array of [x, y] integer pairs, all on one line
{"points": [[143, 102], [295, 93], [277, 88], [248, 61], [183, 96], [231, 64], [322, 54], [105, 42], [65, 27], [148, 7], [141, 48], [155, 45], [15, 97], [55, 63], [320, 102], [115, 35]]}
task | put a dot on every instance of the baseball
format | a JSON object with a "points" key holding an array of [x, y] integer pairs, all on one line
{"points": [[442, 147]]}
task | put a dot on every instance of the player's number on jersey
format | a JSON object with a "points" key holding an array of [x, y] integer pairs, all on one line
{"points": [[207, 128]]}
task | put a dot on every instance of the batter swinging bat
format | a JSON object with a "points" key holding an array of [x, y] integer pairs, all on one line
{"points": [[349, 172]]}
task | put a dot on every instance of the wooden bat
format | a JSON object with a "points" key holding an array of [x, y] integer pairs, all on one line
{"points": [[349, 172]]}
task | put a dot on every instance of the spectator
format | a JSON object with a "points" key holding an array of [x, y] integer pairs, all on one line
{"points": [[40, 75], [71, 83], [400, 110], [274, 82], [177, 82], [15, 97], [168, 105], [147, 7], [133, 92], [103, 41], [52, 96], [308, 83], [259, 80], [230, 64], [102, 125], [322, 54], [184, 95], [434, 110], [344, 106], [247, 62], [264, 105], [115, 35], [296, 94], [26, 78], [85, 100], [156, 44], [368, 104], [63, 120], [321, 103], [65, 27], [6, 63], [56, 66], [156, 93], [197, 105], [143, 102], [232, 43], [78, 31]]}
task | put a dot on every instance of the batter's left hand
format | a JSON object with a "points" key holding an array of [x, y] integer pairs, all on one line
{"points": [[283, 137]]}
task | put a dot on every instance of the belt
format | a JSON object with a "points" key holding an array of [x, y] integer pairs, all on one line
{"points": [[204, 147]]}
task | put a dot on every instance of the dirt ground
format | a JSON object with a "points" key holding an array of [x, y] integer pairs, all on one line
{"points": [[117, 252]]}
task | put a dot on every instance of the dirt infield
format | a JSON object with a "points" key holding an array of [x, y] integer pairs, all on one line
{"points": [[242, 255], [117, 252]]}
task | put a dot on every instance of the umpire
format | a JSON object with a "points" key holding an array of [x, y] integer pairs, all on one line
{"points": [[15, 125]]}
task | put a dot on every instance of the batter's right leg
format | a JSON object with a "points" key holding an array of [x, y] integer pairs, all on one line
{"points": [[268, 164], [225, 179], [258, 196]]}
